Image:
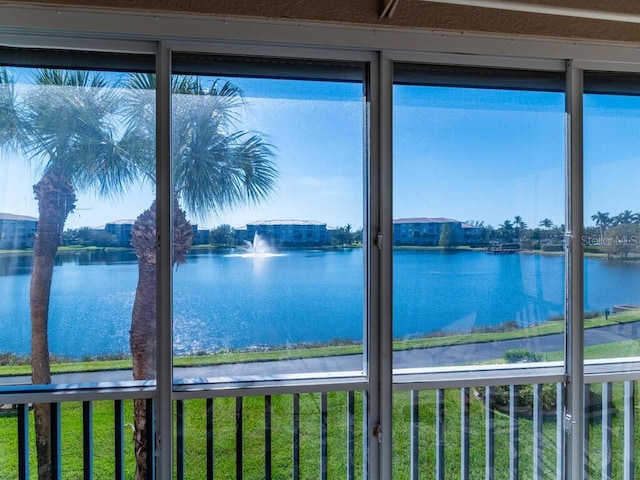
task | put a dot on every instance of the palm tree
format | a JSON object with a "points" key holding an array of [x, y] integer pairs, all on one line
{"points": [[506, 231], [519, 225], [215, 166], [63, 123], [602, 221], [624, 218], [547, 224], [12, 128]]}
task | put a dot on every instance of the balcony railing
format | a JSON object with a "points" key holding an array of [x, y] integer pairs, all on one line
{"points": [[478, 423]]}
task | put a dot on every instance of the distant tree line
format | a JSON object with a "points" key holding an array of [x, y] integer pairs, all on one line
{"points": [[344, 236], [222, 236], [614, 235], [86, 237], [225, 236]]}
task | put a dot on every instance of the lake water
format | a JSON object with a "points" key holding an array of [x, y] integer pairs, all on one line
{"points": [[229, 301]]}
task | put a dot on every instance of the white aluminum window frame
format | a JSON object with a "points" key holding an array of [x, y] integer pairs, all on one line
{"points": [[136, 32]]}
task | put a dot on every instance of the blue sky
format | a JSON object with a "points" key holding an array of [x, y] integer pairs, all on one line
{"points": [[477, 154], [318, 140], [468, 154], [612, 153]]}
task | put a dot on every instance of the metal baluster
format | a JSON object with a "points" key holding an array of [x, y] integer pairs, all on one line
{"points": [[296, 436], [23, 441], [87, 439], [239, 438], [415, 431], [210, 456], [489, 433], [118, 428], [537, 432], [267, 437], [464, 433], [560, 443], [351, 431], [56, 446], [514, 432], [587, 421], [180, 439], [629, 429], [440, 434], [607, 440], [323, 436], [150, 422]]}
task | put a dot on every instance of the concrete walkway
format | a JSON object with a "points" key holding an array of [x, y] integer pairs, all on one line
{"points": [[423, 357]]}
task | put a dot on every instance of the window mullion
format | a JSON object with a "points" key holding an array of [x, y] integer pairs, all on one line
{"points": [[574, 276], [164, 288], [385, 246]]}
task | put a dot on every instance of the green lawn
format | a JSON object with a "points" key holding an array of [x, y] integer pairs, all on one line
{"points": [[310, 421]]}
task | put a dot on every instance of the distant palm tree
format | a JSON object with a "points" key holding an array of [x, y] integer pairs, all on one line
{"points": [[602, 221], [519, 225], [63, 122], [507, 225], [624, 218], [215, 166], [547, 224], [506, 230]]}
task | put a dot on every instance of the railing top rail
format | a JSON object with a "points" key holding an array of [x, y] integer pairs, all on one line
{"points": [[67, 392], [479, 375], [612, 370], [596, 371], [249, 387]]}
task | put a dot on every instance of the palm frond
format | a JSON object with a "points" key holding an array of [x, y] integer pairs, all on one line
{"points": [[225, 171], [260, 173], [14, 131], [75, 128]]}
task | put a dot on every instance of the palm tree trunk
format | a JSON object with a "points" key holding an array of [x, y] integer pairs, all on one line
{"points": [[56, 199], [143, 322]]}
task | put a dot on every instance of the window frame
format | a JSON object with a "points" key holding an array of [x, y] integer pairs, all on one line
{"points": [[159, 34]]}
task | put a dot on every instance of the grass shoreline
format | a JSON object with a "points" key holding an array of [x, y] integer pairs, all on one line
{"points": [[21, 366]]}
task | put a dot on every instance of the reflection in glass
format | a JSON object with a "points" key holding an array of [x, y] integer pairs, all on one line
{"points": [[73, 175], [269, 172], [73, 141], [612, 222], [478, 219]]}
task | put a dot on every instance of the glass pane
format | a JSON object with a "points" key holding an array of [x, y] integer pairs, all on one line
{"points": [[269, 172], [612, 221], [478, 209], [77, 164]]}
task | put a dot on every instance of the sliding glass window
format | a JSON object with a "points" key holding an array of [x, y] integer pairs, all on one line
{"points": [[269, 168], [478, 214], [612, 219], [77, 139]]}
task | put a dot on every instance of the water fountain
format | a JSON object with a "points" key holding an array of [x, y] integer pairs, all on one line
{"points": [[259, 248]]}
